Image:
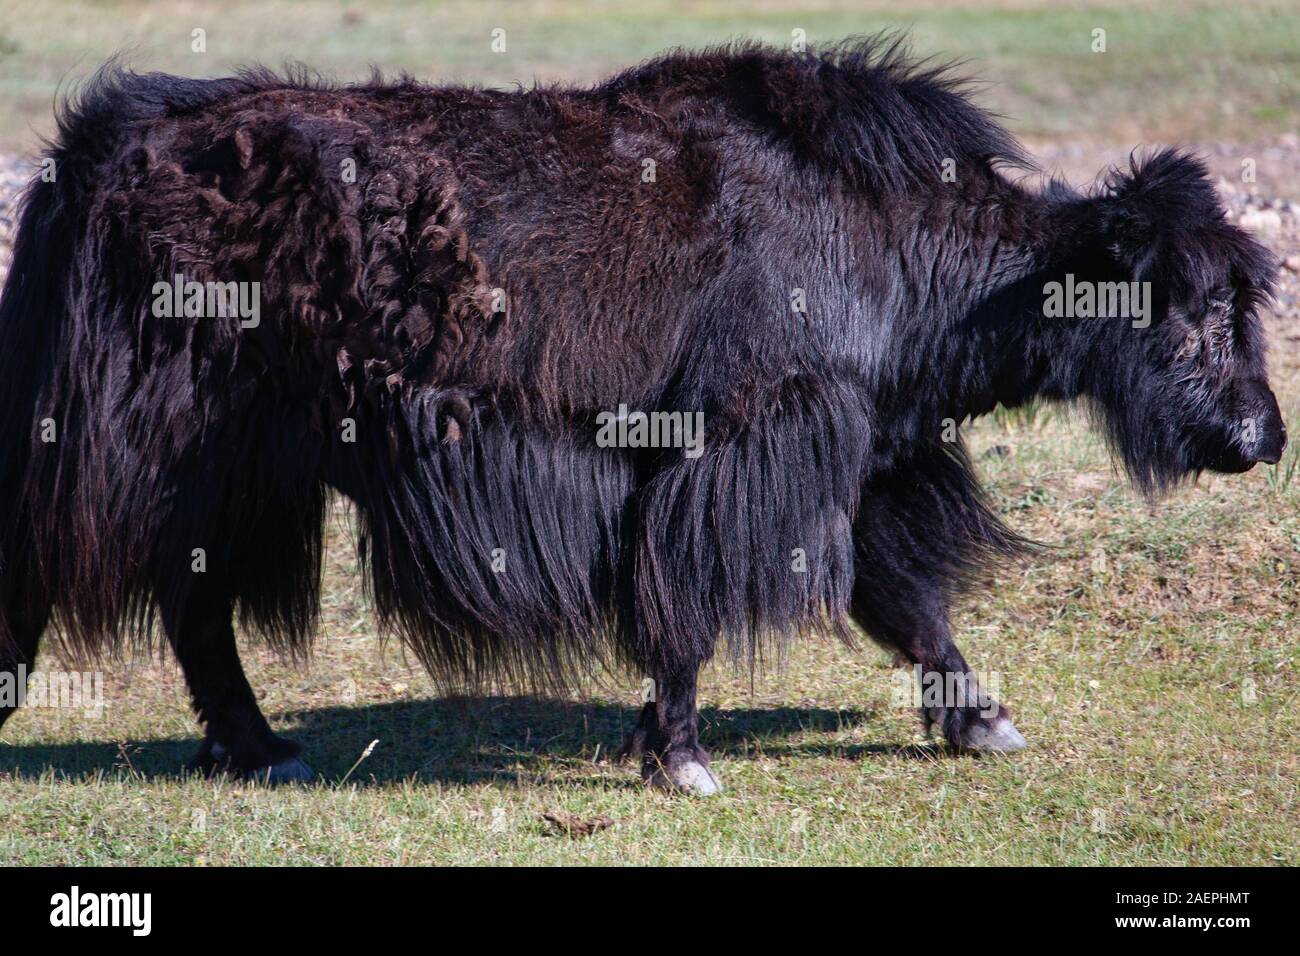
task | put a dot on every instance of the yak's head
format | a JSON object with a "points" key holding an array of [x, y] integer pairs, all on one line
{"points": [[1180, 385]]}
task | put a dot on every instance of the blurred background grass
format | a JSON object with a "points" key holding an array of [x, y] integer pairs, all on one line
{"points": [[1172, 70]]}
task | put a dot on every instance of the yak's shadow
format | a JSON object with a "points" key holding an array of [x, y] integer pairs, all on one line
{"points": [[469, 740]]}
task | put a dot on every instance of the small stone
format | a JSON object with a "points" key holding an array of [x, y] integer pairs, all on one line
{"points": [[1262, 221], [1293, 263]]}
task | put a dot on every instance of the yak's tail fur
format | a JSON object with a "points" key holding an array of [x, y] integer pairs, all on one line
{"points": [[31, 315], [128, 460]]}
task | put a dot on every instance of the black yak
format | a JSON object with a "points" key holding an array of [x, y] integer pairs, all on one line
{"points": [[231, 298]]}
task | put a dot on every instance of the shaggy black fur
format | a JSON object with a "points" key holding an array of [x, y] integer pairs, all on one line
{"points": [[503, 267]]}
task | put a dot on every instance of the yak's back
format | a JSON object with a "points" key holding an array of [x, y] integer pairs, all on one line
{"points": [[863, 109], [494, 228]]}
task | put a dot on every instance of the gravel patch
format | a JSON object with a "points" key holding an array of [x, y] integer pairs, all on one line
{"points": [[14, 174]]}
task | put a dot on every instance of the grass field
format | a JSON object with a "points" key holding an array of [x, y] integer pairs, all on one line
{"points": [[1150, 656]]}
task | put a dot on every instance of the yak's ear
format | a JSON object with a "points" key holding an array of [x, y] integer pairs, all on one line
{"points": [[1150, 212]]}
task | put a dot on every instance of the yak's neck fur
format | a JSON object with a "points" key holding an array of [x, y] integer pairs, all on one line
{"points": [[971, 306]]}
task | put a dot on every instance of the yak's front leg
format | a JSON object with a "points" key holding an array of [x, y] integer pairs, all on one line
{"points": [[917, 533], [744, 537], [915, 628]]}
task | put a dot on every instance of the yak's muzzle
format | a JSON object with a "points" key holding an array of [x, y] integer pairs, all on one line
{"points": [[1256, 434]]}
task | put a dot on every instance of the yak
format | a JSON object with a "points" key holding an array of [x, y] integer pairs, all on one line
{"points": [[475, 313]]}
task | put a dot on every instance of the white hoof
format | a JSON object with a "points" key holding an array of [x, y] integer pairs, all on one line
{"points": [[1000, 736], [293, 770], [689, 777]]}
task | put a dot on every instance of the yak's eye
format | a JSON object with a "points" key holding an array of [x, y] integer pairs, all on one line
{"points": [[1222, 301], [1210, 340]]}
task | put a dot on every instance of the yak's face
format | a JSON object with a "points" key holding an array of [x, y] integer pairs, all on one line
{"points": [[1187, 388], [1207, 380], [1232, 418]]}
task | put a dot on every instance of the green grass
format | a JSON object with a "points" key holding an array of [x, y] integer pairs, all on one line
{"points": [[1192, 70]]}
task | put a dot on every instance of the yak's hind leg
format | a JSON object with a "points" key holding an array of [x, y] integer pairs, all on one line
{"points": [[236, 734], [747, 541], [918, 535], [265, 560], [666, 738]]}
